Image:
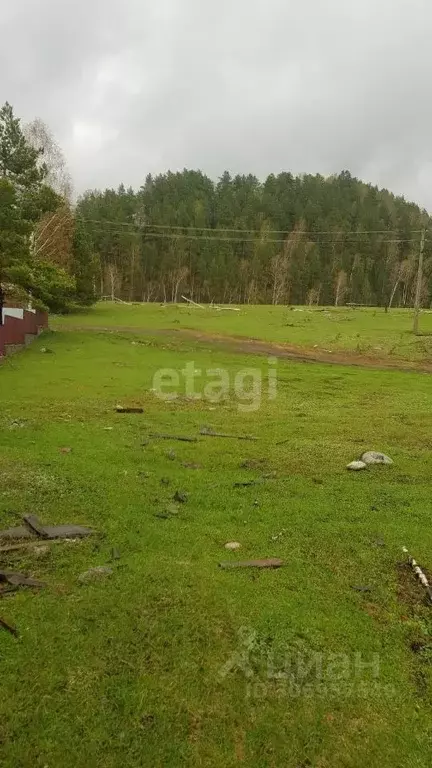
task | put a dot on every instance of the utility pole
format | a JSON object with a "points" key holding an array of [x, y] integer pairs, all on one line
{"points": [[419, 283]]}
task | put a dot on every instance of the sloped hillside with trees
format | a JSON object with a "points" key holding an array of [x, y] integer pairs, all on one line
{"points": [[304, 239]]}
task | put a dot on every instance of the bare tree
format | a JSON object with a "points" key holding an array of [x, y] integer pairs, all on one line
{"points": [[53, 236], [58, 177], [341, 287]]}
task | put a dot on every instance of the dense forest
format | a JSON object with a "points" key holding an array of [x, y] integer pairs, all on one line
{"points": [[286, 240], [297, 240]]}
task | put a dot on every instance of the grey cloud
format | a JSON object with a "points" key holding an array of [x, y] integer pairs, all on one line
{"points": [[142, 86]]}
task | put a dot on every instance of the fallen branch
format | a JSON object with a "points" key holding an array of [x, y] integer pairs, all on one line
{"points": [[208, 432], [30, 545], [419, 573], [121, 409], [193, 302], [161, 436]]}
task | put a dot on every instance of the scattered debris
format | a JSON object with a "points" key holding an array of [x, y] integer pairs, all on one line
{"points": [[108, 429], [9, 627], [373, 457], [128, 409], [172, 455], [34, 529], [256, 503], [115, 554], [272, 562], [65, 450], [419, 573], [379, 543], [181, 497], [182, 438], [191, 465], [253, 464], [282, 442], [165, 481], [194, 304], [170, 511], [31, 545], [209, 432], [97, 572], [35, 526], [255, 481], [46, 351], [278, 535], [19, 580], [8, 591], [360, 588], [356, 466], [17, 424], [245, 484], [41, 549], [233, 545]]}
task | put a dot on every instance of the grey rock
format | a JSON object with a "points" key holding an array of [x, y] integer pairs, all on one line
{"points": [[99, 571], [356, 466], [374, 457]]}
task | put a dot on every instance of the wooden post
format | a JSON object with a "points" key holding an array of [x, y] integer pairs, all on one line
{"points": [[419, 283]]}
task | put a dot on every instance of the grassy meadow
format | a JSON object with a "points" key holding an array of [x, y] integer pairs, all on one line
{"points": [[365, 331], [170, 660]]}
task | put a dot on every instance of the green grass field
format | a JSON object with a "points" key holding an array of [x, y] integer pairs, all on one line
{"points": [[370, 332], [172, 661]]}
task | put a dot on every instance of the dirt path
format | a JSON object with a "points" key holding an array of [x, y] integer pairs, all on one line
{"points": [[244, 345]]}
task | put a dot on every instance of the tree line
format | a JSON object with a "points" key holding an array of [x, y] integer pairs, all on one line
{"points": [[288, 240]]}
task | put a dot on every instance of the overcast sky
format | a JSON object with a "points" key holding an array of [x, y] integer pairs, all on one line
{"points": [[137, 86]]}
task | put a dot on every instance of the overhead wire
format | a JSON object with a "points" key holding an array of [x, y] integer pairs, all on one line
{"points": [[99, 226], [333, 232]]}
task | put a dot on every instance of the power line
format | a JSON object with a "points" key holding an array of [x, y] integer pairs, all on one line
{"points": [[217, 238], [333, 232]]}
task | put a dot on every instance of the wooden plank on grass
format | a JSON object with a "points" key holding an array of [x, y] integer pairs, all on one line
{"points": [[271, 562]]}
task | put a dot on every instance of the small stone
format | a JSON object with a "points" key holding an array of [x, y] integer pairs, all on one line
{"points": [[355, 466], [65, 450], [172, 455], [374, 457], [181, 497], [233, 545], [165, 481], [97, 572]]}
